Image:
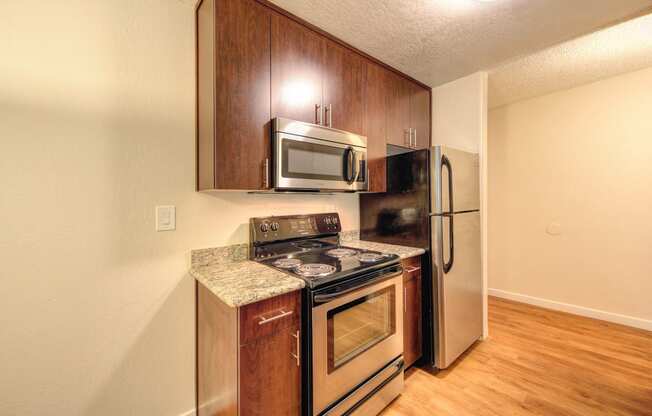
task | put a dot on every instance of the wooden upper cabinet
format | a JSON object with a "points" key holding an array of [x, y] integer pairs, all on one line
{"points": [[345, 75], [233, 93], [255, 63], [420, 116], [297, 54], [398, 109], [376, 126]]}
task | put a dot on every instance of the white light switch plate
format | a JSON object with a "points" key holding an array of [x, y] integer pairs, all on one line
{"points": [[166, 218]]}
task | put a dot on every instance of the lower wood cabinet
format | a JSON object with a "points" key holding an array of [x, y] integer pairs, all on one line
{"points": [[248, 359], [412, 313]]}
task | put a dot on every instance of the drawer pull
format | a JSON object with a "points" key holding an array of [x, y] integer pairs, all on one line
{"points": [[282, 314], [412, 269]]}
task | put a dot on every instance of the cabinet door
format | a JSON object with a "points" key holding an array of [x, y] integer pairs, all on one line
{"points": [[344, 88], [297, 54], [412, 339], [398, 109], [376, 127], [270, 377], [420, 116], [241, 112]]}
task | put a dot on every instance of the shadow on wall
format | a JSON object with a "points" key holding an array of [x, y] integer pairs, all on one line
{"points": [[237, 208], [123, 391]]}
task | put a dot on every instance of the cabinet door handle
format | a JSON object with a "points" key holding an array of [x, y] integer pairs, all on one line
{"points": [[297, 356], [329, 115], [412, 269], [408, 137], [415, 138], [317, 114], [281, 314]]}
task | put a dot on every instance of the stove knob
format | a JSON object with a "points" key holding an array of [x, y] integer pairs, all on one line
{"points": [[334, 220], [274, 226], [328, 220], [264, 227]]}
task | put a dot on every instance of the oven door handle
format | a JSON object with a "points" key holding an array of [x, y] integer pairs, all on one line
{"points": [[327, 297]]}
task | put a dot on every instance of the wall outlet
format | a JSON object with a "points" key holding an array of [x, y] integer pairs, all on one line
{"points": [[166, 218]]}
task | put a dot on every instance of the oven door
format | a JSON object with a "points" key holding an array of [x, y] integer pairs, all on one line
{"points": [[354, 335], [313, 164]]}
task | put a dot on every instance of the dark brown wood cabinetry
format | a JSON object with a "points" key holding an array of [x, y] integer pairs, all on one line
{"points": [[248, 357], [398, 110], [412, 314], [315, 79], [297, 80], [408, 118], [269, 383], [233, 94], [345, 75], [256, 61], [420, 114], [376, 126]]}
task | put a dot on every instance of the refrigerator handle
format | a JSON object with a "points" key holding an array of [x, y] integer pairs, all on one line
{"points": [[451, 246]]}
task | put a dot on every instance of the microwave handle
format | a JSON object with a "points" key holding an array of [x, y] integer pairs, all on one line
{"points": [[349, 174], [356, 166]]}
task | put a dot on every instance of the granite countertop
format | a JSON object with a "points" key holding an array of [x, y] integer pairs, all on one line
{"points": [[237, 281], [403, 252]]}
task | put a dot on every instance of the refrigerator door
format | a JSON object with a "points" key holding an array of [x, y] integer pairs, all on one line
{"points": [[458, 287], [457, 170]]}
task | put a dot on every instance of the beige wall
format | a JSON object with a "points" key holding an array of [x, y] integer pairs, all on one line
{"points": [[459, 112], [459, 119], [570, 200], [96, 128]]}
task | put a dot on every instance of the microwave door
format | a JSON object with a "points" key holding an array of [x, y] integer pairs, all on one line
{"points": [[304, 163]]}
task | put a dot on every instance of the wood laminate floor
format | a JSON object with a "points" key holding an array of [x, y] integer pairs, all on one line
{"points": [[538, 362]]}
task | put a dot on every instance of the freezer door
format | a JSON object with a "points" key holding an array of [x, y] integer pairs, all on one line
{"points": [[457, 170], [457, 284]]}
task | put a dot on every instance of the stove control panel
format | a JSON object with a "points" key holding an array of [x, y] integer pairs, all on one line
{"points": [[267, 229]]}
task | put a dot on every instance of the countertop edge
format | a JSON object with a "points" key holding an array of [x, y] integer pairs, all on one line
{"points": [[219, 286]]}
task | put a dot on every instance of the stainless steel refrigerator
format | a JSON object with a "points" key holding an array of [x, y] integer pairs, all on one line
{"points": [[433, 201]]}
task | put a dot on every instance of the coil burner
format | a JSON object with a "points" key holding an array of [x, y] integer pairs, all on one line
{"points": [[370, 257], [286, 263], [338, 253], [315, 270]]}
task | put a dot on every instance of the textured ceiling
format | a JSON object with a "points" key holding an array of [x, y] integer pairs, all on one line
{"points": [[622, 48], [436, 41]]}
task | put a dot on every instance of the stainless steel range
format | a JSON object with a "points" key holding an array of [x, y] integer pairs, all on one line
{"points": [[352, 341]]}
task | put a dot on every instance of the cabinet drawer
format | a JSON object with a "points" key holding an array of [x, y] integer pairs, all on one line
{"points": [[268, 316]]}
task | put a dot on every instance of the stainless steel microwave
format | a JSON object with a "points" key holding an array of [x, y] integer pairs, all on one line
{"points": [[309, 157]]}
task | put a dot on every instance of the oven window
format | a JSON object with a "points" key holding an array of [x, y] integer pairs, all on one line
{"points": [[359, 325], [312, 161]]}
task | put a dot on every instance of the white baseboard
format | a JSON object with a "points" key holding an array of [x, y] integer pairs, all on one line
{"points": [[574, 309], [191, 412]]}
